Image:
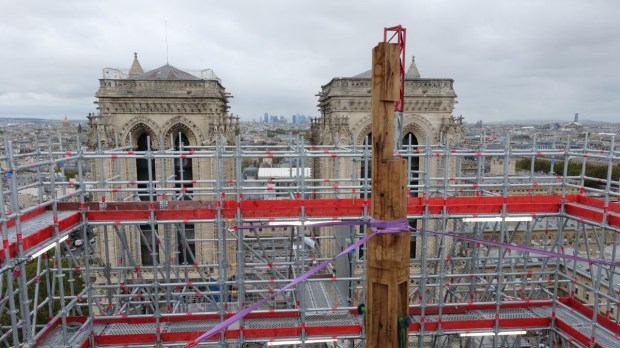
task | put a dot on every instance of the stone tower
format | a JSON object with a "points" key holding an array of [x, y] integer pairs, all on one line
{"points": [[345, 109], [161, 102], [165, 109], [345, 106]]}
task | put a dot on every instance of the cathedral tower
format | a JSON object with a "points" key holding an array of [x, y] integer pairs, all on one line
{"points": [[346, 119], [164, 109]]}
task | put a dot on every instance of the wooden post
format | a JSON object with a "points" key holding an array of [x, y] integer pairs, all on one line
{"points": [[387, 284]]}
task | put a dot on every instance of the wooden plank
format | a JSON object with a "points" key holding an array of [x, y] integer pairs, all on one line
{"points": [[387, 284]]}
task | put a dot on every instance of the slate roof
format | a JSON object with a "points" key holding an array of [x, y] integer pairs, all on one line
{"points": [[166, 72], [412, 72]]}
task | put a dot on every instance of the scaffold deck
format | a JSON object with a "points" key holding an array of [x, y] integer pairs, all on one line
{"points": [[571, 321], [37, 228]]}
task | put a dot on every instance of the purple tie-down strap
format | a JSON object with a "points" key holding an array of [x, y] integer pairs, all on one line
{"points": [[382, 226], [523, 248], [394, 226]]}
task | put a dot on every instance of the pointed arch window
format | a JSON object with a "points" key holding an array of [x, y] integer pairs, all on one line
{"points": [[144, 176], [366, 167], [409, 145], [183, 176]]}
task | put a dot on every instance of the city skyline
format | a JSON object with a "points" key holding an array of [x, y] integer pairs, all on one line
{"points": [[509, 61]]}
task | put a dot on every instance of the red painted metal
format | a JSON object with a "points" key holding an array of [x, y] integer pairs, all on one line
{"points": [[445, 323], [587, 312], [579, 206], [43, 234], [459, 308], [24, 217], [335, 208], [572, 332], [599, 203]]}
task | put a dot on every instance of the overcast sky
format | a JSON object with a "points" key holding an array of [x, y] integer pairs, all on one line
{"points": [[510, 60]]}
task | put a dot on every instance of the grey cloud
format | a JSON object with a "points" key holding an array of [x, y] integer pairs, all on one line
{"points": [[526, 59]]}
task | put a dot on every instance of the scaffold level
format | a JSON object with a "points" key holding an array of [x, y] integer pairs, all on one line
{"points": [[113, 259], [571, 318]]}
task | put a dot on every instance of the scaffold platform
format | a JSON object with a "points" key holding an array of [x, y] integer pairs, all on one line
{"points": [[166, 251], [567, 317]]}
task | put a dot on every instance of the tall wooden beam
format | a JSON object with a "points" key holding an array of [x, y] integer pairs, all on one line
{"points": [[387, 284]]}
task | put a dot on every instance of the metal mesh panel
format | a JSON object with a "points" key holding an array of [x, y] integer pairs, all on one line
{"points": [[330, 319], [271, 323]]}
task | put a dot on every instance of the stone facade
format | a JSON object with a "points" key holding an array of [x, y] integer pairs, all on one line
{"points": [[166, 106], [346, 119], [160, 102], [345, 105]]}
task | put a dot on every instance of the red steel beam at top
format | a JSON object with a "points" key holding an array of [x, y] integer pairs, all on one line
{"points": [[587, 208]]}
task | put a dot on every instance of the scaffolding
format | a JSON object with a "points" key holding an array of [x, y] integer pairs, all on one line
{"points": [[497, 260]]}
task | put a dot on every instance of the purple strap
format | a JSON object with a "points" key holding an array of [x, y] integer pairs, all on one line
{"points": [[378, 227], [394, 226]]}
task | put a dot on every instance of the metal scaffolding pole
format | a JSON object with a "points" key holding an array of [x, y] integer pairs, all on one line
{"points": [[569, 219]]}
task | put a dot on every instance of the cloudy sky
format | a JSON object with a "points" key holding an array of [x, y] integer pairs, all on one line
{"points": [[527, 59]]}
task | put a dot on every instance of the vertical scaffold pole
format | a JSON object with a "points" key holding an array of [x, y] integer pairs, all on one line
{"points": [[387, 292], [21, 267]]}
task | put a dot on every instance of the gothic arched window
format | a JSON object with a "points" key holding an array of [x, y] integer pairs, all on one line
{"points": [[183, 175], [409, 143], [144, 176]]}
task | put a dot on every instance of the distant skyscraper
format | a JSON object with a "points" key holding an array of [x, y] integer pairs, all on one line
{"points": [[576, 117], [266, 118]]}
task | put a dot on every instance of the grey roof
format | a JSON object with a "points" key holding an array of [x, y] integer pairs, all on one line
{"points": [[364, 75], [412, 72], [166, 72]]}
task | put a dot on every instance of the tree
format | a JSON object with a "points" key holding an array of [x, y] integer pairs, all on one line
{"points": [[593, 170]]}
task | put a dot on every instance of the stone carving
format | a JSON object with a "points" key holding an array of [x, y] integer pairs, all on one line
{"points": [[133, 128], [185, 125], [173, 132]]}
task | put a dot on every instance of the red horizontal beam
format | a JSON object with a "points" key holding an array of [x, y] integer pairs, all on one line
{"points": [[599, 203], [587, 312], [450, 308], [24, 217], [41, 235], [189, 210], [268, 333], [575, 335], [335, 208], [481, 324], [444, 324], [592, 213]]}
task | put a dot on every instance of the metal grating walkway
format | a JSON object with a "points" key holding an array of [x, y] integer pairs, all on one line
{"points": [[36, 228], [571, 322]]}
